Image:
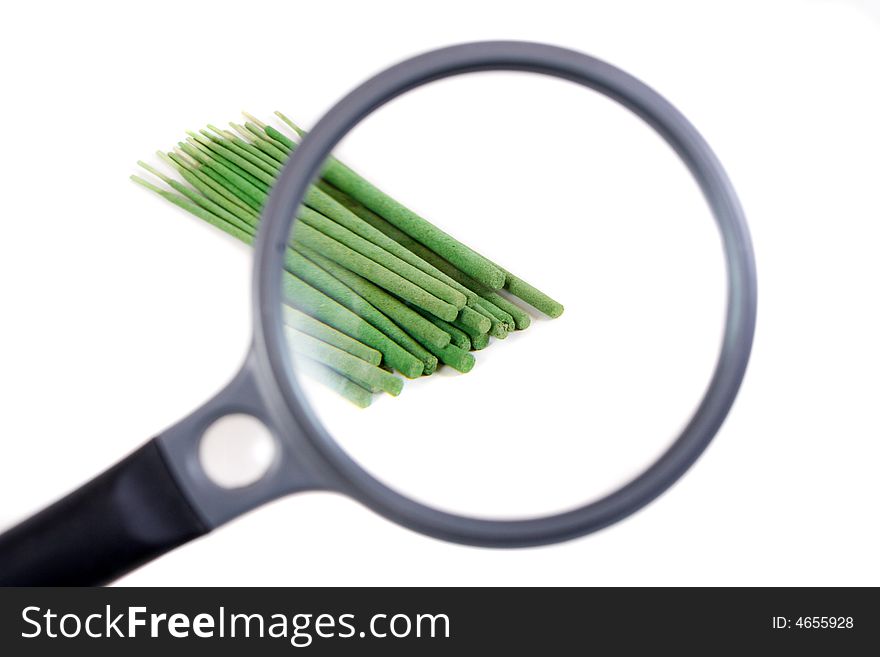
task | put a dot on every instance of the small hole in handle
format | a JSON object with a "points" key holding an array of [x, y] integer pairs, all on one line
{"points": [[237, 451]]}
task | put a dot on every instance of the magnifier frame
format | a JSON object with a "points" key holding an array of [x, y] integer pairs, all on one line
{"points": [[272, 361], [161, 495]]}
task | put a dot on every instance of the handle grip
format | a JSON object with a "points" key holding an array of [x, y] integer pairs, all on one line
{"points": [[130, 514]]}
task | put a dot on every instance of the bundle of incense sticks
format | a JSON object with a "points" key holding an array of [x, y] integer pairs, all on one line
{"points": [[370, 287]]}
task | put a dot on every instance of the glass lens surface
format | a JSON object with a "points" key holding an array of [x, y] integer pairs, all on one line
{"points": [[505, 295]]}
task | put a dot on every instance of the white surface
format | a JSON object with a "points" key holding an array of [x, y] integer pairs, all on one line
{"points": [[122, 314]]}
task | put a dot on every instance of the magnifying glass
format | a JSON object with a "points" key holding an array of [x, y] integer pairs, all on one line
{"points": [[272, 432]]}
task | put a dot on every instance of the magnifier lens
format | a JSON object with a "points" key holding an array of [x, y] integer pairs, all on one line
{"points": [[557, 186]]}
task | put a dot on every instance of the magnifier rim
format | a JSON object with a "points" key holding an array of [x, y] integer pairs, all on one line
{"points": [[305, 163]]}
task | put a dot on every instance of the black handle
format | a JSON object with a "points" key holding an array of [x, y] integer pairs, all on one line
{"points": [[129, 515]]}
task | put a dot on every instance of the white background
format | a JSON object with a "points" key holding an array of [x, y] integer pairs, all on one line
{"points": [[120, 314]]}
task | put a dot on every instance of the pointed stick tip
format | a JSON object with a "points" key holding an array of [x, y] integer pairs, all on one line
{"points": [[299, 131], [144, 183], [166, 157], [253, 119]]}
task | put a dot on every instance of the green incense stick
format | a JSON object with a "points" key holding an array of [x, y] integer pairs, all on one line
{"points": [[417, 359], [478, 340], [199, 199], [357, 395], [320, 306], [500, 308], [418, 251], [229, 164], [265, 142], [221, 150], [379, 255], [457, 337], [239, 148], [343, 362], [197, 210], [308, 324], [260, 144], [194, 171], [532, 296], [249, 193], [457, 359], [372, 271], [205, 186], [342, 177], [409, 320]]}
